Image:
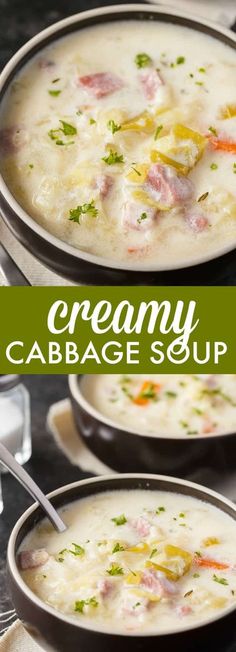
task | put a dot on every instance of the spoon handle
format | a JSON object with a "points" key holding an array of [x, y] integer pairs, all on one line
{"points": [[24, 478], [9, 269]]}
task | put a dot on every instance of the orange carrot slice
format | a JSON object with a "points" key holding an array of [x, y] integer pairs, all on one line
{"points": [[223, 145], [147, 386], [204, 562]]}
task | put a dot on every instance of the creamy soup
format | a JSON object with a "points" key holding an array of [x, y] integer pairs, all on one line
{"points": [[121, 140], [174, 405], [134, 561]]}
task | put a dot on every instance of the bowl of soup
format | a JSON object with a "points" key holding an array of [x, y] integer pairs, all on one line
{"points": [[146, 562], [118, 147], [160, 423]]}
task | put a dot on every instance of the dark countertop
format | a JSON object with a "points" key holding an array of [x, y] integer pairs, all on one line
{"points": [[49, 468]]}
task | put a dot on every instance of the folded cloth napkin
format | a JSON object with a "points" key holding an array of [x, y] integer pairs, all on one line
{"points": [[61, 424], [216, 10], [16, 639], [36, 273]]}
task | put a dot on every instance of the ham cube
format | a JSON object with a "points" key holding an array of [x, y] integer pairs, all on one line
{"points": [[157, 583], [101, 84], [197, 221], [167, 187], [151, 82], [11, 140], [32, 558], [141, 526], [103, 183]]}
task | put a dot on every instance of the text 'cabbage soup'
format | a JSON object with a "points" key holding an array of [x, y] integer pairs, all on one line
{"points": [[174, 405], [135, 561], [121, 140]]}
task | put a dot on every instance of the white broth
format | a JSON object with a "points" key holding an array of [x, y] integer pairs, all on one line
{"points": [[120, 139], [135, 561], [175, 405]]}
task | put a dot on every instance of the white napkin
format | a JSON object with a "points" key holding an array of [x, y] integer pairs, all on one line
{"points": [[16, 639], [216, 10], [36, 273]]}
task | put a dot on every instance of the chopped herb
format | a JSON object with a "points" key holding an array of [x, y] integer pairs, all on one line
{"points": [[232, 591], [213, 131], [203, 197], [184, 424], [54, 81], [115, 570], [214, 166], [79, 112], [119, 520], [149, 391], [68, 129], [171, 394], [191, 75], [54, 93], [80, 604], [192, 432], [180, 60], [78, 550], [186, 595], [161, 509], [196, 575], [199, 83], [92, 121], [31, 166], [142, 217], [137, 171], [220, 580], [113, 158], [182, 383], [143, 60], [198, 554], [153, 553], [234, 168], [181, 515], [218, 392], [113, 126], [202, 70], [84, 209], [44, 577], [158, 131], [117, 548], [197, 411], [182, 524], [136, 605]]}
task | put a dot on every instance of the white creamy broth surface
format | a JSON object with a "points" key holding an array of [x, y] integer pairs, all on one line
{"points": [[121, 140], [175, 405], [135, 561]]}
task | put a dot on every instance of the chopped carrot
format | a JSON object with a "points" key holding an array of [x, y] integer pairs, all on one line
{"points": [[223, 145], [204, 562], [144, 396]]}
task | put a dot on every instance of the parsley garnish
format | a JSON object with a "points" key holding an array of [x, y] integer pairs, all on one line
{"points": [[92, 121], [186, 595], [80, 604], [137, 171], [117, 548], [84, 209], [113, 158], [234, 168], [202, 70], [192, 432], [171, 394], [214, 166], [115, 570], [158, 131], [153, 553], [119, 520], [195, 575], [180, 60], [142, 217], [181, 515], [142, 60], [203, 197], [68, 129], [160, 509], [55, 80], [220, 580], [113, 126], [54, 93], [31, 166], [78, 550]]}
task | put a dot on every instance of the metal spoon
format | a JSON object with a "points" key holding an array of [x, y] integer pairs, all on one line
{"points": [[9, 269], [24, 478]]}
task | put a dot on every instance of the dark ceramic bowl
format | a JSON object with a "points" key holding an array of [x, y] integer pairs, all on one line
{"points": [[65, 259], [130, 451], [56, 632]]}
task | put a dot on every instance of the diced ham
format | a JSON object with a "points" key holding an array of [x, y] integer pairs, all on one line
{"points": [[105, 587], [155, 582], [151, 82], [208, 427], [11, 140], [141, 526], [101, 84], [167, 187], [103, 183], [197, 221], [183, 610], [138, 217], [32, 558]]}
